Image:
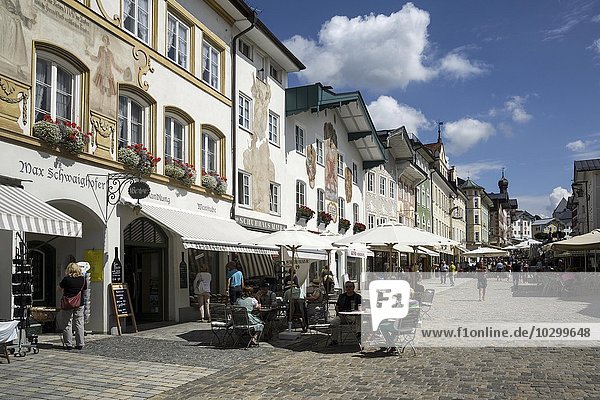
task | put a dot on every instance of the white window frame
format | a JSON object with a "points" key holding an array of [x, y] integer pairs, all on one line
{"points": [[382, 185], [244, 189], [55, 64], [274, 198], [244, 111], [354, 173], [136, 23], [476, 219], [170, 121], [273, 128], [393, 189], [341, 207], [371, 182], [300, 193], [300, 139], [475, 202], [275, 73], [356, 212], [371, 221], [319, 151], [184, 63], [320, 200], [205, 138], [243, 44], [145, 119], [214, 58], [340, 165]]}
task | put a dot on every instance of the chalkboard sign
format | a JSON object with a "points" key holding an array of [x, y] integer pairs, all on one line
{"points": [[116, 269], [122, 304], [183, 273]]}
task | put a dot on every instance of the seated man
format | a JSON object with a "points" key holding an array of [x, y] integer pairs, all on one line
{"points": [[348, 301], [294, 294], [266, 297], [316, 294]]}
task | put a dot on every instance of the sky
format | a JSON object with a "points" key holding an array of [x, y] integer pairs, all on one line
{"points": [[516, 82]]}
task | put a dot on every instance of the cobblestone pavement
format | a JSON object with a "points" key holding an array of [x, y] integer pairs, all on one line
{"points": [[176, 362]]}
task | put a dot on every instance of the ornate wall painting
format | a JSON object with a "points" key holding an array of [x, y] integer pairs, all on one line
{"points": [[14, 100], [257, 158], [348, 184], [311, 165], [17, 17], [104, 131], [331, 161]]}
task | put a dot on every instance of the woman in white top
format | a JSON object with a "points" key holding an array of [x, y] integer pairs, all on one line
{"points": [[202, 292]]}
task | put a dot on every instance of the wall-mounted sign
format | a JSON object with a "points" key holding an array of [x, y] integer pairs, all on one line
{"points": [[139, 190], [254, 223]]}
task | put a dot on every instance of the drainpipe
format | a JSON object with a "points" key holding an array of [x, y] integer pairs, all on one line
{"points": [[252, 21]]}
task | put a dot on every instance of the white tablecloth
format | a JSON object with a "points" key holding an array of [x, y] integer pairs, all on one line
{"points": [[8, 331]]}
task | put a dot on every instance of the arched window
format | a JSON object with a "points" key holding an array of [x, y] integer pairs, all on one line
{"points": [[213, 158], [300, 194], [179, 128], [134, 117], [58, 84]]}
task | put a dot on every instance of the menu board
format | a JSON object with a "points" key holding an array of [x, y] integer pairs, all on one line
{"points": [[122, 304], [116, 269]]}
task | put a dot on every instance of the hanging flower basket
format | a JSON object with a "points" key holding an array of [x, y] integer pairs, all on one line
{"points": [[358, 227], [343, 225], [183, 172], [324, 218], [304, 212], [47, 131], [73, 139], [65, 134], [137, 158]]}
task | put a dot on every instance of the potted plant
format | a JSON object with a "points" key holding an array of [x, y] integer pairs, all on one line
{"points": [[358, 227], [183, 172], [221, 185], [343, 225], [72, 137], [138, 158], [209, 180], [323, 219], [303, 214], [47, 131]]}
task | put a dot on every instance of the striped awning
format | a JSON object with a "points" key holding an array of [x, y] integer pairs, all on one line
{"points": [[229, 248], [21, 211], [255, 265]]}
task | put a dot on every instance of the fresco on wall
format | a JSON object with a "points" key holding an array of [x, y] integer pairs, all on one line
{"points": [[331, 176], [256, 159], [348, 184], [15, 17], [311, 165]]}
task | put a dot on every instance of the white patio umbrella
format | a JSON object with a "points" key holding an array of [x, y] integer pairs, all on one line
{"points": [[294, 238], [486, 252], [527, 244], [393, 233], [587, 241]]}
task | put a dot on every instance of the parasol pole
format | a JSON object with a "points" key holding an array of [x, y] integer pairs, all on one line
{"points": [[390, 248]]}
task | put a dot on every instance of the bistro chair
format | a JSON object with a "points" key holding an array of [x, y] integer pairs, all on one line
{"points": [[427, 302], [242, 326], [318, 317], [220, 322], [407, 330]]}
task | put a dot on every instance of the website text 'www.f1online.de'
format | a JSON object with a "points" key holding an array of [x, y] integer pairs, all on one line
{"points": [[530, 332]]}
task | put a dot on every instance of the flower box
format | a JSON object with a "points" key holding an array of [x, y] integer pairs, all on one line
{"points": [[138, 158], [65, 134], [304, 212], [343, 225], [358, 227], [183, 172], [324, 218], [213, 181]]}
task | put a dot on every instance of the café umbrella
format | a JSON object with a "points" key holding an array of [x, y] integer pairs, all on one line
{"points": [[390, 234], [485, 252], [292, 239]]}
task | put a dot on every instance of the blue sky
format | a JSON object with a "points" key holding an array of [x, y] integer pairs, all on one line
{"points": [[516, 82]]}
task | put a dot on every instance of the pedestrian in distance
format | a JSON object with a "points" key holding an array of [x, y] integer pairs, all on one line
{"points": [[71, 314], [202, 292], [443, 272], [235, 281], [481, 281], [452, 272]]}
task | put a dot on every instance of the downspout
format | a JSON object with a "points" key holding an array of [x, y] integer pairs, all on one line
{"points": [[252, 21]]}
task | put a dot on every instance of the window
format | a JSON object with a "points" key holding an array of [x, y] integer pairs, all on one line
{"points": [[245, 49], [244, 189], [174, 139], [382, 185], [299, 140], [477, 236], [355, 173], [300, 194], [275, 73], [274, 190], [320, 200], [355, 213], [371, 182], [476, 202], [342, 207], [133, 125], [320, 151], [340, 165], [392, 189], [178, 38], [56, 90], [477, 218], [210, 152], [210, 65], [370, 221], [418, 196], [273, 128], [136, 18], [244, 103], [381, 221]]}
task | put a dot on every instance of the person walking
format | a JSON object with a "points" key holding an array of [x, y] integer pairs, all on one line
{"points": [[443, 272], [327, 279], [235, 281], [202, 292], [71, 316], [452, 273], [481, 281]]}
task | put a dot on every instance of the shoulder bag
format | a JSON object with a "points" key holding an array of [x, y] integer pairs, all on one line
{"points": [[70, 303]]}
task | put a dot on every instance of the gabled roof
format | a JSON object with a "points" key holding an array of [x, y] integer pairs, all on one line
{"points": [[352, 110], [468, 184], [587, 165], [544, 221], [435, 148]]}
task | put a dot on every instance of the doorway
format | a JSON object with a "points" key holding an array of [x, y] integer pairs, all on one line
{"points": [[43, 270], [145, 262]]}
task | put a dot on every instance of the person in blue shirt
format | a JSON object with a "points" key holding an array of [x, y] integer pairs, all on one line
{"points": [[235, 282]]}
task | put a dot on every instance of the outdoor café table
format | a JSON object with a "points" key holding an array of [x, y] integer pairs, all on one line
{"points": [[269, 316]]}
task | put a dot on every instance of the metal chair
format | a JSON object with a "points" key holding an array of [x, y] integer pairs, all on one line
{"points": [[318, 316], [407, 330], [220, 321], [242, 326], [427, 302]]}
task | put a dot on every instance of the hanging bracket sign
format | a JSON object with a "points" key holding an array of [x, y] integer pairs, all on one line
{"points": [[139, 190]]}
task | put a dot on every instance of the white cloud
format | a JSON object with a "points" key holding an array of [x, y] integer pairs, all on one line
{"points": [[595, 46], [577, 13], [577, 146], [515, 106], [458, 66], [387, 113], [477, 169], [596, 18], [542, 205], [463, 134], [378, 52], [558, 193]]}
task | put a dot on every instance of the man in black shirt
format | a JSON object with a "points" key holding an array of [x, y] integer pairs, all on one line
{"points": [[348, 301]]}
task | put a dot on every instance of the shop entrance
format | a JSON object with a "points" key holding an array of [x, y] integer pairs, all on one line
{"points": [[145, 269]]}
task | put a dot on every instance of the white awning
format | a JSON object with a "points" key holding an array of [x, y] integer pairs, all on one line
{"points": [[309, 254], [20, 211], [206, 232]]}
